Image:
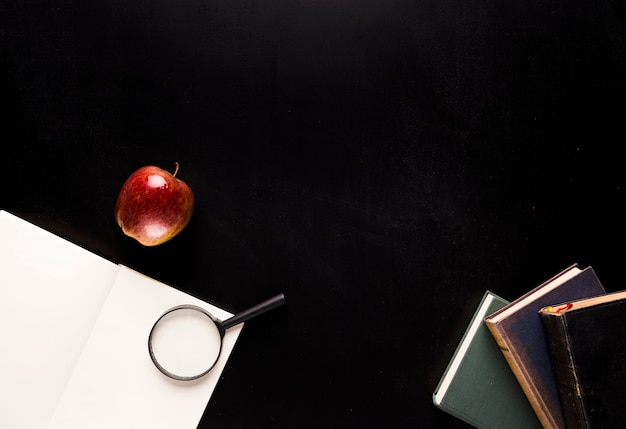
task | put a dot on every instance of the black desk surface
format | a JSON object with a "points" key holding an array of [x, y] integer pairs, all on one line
{"points": [[381, 162]]}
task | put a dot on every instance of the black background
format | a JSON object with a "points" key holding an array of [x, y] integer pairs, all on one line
{"points": [[383, 163]]}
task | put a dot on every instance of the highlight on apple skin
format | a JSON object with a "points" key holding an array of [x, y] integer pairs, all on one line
{"points": [[154, 205]]}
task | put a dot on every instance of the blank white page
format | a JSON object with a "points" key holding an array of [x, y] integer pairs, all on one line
{"points": [[116, 385], [51, 292]]}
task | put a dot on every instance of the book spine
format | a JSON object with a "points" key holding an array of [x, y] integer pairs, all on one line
{"points": [[547, 422], [565, 371]]}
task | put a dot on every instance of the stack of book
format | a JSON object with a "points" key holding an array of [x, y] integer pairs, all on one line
{"points": [[554, 357]]}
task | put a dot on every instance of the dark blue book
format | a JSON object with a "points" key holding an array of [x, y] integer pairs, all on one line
{"points": [[519, 331]]}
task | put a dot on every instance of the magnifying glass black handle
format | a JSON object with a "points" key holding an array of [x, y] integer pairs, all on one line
{"points": [[258, 309]]}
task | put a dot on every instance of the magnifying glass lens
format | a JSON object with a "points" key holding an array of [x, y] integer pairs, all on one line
{"points": [[185, 343]]}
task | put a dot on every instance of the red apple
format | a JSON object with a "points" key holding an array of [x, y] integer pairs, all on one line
{"points": [[153, 205]]}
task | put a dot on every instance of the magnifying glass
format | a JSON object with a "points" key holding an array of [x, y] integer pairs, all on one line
{"points": [[185, 343]]}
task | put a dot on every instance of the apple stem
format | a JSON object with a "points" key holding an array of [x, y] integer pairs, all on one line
{"points": [[176, 171]]}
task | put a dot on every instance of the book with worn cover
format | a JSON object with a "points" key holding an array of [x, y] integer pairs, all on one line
{"points": [[587, 344], [478, 386], [519, 331], [74, 331]]}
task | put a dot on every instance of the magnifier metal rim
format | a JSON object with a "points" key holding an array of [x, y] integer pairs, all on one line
{"points": [[219, 327]]}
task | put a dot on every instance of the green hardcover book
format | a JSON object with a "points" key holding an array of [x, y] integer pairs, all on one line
{"points": [[478, 386]]}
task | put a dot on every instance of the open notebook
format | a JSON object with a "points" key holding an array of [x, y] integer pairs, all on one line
{"points": [[74, 329]]}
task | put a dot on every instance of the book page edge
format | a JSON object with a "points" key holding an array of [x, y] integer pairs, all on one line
{"points": [[460, 352], [535, 293]]}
